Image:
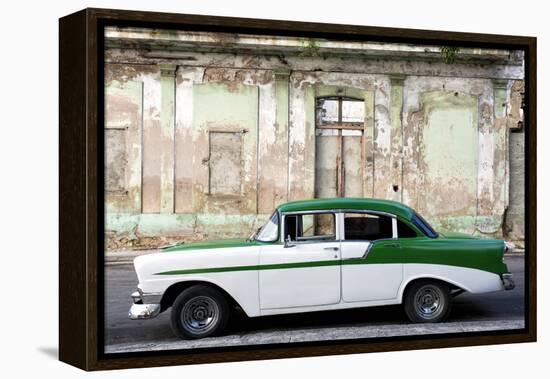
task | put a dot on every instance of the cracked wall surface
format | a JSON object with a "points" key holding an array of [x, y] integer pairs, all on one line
{"points": [[207, 133]]}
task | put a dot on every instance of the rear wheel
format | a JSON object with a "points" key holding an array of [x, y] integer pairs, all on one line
{"points": [[427, 301], [199, 311]]}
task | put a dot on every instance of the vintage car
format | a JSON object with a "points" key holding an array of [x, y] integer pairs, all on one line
{"points": [[316, 255]]}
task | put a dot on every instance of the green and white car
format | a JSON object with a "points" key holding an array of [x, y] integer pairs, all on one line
{"points": [[316, 255]]}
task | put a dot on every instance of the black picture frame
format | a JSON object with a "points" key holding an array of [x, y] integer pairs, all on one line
{"points": [[81, 226]]}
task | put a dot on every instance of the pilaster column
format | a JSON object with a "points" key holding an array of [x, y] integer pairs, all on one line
{"points": [[167, 120], [396, 123]]}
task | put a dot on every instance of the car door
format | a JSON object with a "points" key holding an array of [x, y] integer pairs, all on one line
{"points": [[305, 271], [364, 278]]}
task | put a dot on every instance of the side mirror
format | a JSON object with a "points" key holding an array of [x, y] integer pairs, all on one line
{"points": [[288, 242]]}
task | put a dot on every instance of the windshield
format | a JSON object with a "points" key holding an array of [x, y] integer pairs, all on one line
{"points": [[270, 231], [424, 226]]}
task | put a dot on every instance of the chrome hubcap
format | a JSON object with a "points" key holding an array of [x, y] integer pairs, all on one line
{"points": [[199, 314], [429, 301]]}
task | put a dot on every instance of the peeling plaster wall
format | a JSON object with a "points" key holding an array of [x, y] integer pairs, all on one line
{"points": [[435, 137], [515, 215], [514, 226]]}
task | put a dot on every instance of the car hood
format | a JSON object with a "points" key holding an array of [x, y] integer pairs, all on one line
{"points": [[455, 235], [215, 244]]}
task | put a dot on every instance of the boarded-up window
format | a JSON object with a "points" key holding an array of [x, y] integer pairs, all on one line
{"points": [[225, 163], [123, 137], [115, 160]]}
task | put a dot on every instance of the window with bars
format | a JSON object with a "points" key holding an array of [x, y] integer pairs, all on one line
{"points": [[339, 112]]}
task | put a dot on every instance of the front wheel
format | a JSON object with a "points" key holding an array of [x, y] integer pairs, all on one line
{"points": [[427, 301], [199, 311]]}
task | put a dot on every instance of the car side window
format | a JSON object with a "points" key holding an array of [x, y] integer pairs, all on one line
{"points": [[404, 230], [310, 227], [364, 226]]}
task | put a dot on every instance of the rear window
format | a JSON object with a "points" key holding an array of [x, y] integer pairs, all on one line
{"points": [[424, 226], [405, 231], [370, 227]]}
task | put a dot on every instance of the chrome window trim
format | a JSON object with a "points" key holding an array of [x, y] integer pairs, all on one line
{"points": [[339, 215], [340, 210], [377, 213], [313, 240], [367, 251], [278, 227], [371, 242]]}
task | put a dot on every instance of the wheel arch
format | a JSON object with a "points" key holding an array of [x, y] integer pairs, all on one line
{"points": [[175, 289], [451, 283]]}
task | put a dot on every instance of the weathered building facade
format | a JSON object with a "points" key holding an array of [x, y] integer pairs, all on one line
{"points": [[206, 133]]}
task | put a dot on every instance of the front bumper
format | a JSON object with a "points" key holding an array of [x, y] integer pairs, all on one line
{"points": [[141, 311], [508, 281]]}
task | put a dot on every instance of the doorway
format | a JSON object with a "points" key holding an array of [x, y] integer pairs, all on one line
{"points": [[339, 147]]}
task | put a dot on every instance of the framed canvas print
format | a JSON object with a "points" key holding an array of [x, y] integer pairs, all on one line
{"points": [[239, 189]]}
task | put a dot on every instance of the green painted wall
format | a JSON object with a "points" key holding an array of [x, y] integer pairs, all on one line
{"points": [[449, 155]]}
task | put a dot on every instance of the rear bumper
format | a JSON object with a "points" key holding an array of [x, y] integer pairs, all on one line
{"points": [[508, 281], [140, 311]]}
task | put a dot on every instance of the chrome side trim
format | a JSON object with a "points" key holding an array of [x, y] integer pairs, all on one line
{"points": [[136, 297], [367, 251], [140, 297], [151, 298]]}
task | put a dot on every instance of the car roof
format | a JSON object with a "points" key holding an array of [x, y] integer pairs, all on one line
{"points": [[338, 203]]}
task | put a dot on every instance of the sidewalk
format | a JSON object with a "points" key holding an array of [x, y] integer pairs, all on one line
{"points": [[125, 257], [331, 333]]}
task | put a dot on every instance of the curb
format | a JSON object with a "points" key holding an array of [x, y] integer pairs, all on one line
{"points": [[125, 257], [515, 253], [323, 333]]}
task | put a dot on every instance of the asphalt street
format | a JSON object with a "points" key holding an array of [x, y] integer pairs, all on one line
{"points": [[491, 311]]}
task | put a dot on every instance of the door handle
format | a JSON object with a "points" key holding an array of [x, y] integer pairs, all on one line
{"points": [[391, 245], [334, 248]]}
